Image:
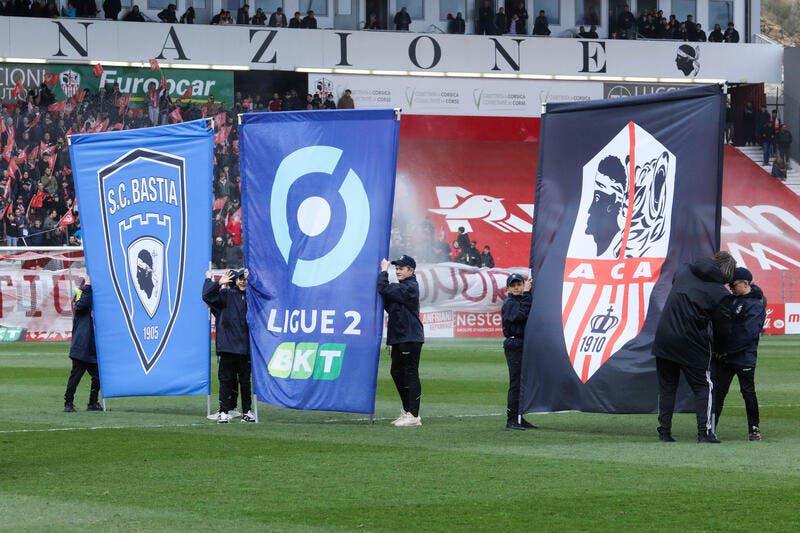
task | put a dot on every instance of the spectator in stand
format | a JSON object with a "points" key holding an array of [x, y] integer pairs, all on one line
{"points": [[36, 236], [151, 99], [309, 21], [297, 21], [716, 35], [260, 18], [217, 19], [460, 24], [761, 117], [346, 101], [134, 15], [217, 251], [278, 19], [462, 239], [731, 35], [699, 34], [451, 24], [275, 103], [329, 102], [690, 28], [402, 20], [372, 22], [766, 137], [69, 10], [779, 168], [111, 9], [487, 261], [485, 18], [541, 26], [500, 21], [522, 15], [626, 23], [783, 141], [516, 26], [188, 16], [680, 34], [227, 19], [591, 34], [749, 125], [243, 15], [86, 8], [169, 14]]}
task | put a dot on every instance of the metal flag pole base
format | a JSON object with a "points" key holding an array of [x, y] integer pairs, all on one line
{"points": [[208, 406], [104, 405], [372, 419], [255, 406]]}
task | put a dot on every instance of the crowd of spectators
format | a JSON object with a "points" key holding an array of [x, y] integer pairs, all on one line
{"points": [[37, 193], [652, 24], [431, 246]]}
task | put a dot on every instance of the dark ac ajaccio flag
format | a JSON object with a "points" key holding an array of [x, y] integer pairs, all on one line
{"points": [[317, 191], [627, 190], [145, 198]]}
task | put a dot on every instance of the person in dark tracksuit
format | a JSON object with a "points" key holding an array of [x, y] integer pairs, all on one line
{"points": [[404, 334], [229, 306], [749, 307], [82, 350], [516, 308], [683, 344]]}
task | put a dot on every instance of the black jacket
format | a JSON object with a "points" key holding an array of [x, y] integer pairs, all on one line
{"points": [[82, 346], [697, 302], [515, 315], [749, 316], [229, 307], [401, 302]]}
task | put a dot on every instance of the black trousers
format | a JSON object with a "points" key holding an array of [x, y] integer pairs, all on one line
{"points": [[78, 369], [722, 375], [699, 380], [513, 350], [234, 375], [405, 373]]}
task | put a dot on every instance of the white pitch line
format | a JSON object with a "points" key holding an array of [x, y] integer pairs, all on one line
{"points": [[93, 428]]}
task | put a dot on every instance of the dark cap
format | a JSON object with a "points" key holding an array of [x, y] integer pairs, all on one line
{"points": [[741, 273], [405, 260], [238, 273], [514, 277]]}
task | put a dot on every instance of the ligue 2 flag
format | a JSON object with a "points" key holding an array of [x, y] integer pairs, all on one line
{"points": [[317, 189], [145, 199], [627, 190]]}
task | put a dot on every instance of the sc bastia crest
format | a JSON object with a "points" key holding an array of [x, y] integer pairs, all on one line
{"points": [[618, 246], [144, 223]]}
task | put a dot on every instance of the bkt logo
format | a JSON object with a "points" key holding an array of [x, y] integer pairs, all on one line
{"points": [[313, 216], [144, 223], [307, 360], [459, 206]]}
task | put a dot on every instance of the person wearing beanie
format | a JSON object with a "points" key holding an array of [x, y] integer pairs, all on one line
{"points": [[404, 333], [750, 312], [683, 345], [516, 308]]}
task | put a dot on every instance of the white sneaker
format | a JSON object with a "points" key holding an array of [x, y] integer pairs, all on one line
{"points": [[248, 417], [409, 420], [223, 418], [404, 414], [233, 413]]}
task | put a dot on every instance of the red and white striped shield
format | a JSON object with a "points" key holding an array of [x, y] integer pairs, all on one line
{"points": [[618, 245]]}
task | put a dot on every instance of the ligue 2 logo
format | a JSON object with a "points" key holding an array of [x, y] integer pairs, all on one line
{"points": [[314, 216]]}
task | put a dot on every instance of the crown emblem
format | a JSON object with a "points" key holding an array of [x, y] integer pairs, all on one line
{"points": [[603, 323]]}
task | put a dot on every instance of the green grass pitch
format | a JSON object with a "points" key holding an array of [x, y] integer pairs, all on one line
{"points": [[156, 464]]}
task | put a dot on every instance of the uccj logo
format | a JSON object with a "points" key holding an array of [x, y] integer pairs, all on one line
{"points": [[313, 217], [144, 223], [618, 245]]}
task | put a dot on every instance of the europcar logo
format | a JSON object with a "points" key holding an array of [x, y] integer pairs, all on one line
{"points": [[313, 216], [144, 225]]}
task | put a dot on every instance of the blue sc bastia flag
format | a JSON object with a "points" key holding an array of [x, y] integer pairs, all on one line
{"points": [[317, 189], [627, 190], [140, 192]]}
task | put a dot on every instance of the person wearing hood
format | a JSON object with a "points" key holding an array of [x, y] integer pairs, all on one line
{"points": [[404, 333], [750, 313], [683, 343]]}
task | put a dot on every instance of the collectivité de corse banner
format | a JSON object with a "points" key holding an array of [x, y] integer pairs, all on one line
{"points": [[317, 189], [140, 192]]}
